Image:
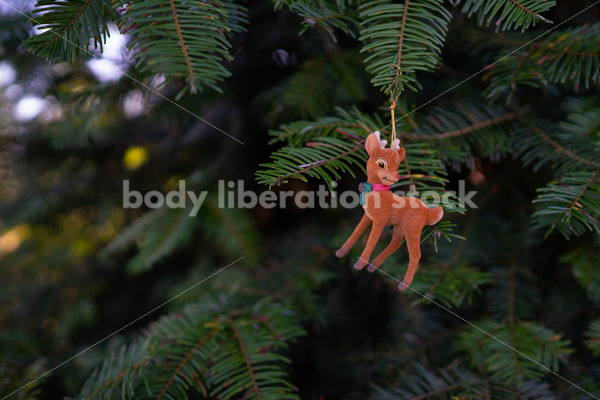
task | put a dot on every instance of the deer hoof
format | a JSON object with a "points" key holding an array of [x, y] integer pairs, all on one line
{"points": [[402, 287], [371, 268], [340, 253], [360, 264]]}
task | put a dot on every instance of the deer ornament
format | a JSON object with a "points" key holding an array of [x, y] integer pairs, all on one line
{"points": [[407, 215]]}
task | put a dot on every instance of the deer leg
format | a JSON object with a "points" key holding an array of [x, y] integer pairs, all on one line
{"points": [[376, 230], [358, 231], [394, 245], [413, 242]]}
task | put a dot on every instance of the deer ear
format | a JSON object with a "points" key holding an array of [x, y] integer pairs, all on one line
{"points": [[402, 153], [372, 144]]}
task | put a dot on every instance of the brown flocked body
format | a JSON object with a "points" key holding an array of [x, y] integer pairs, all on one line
{"points": [[407, 215]]}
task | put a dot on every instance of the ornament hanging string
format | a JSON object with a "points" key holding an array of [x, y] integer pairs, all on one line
{"points": [[398, 144], [394, 143], [392, 109]]}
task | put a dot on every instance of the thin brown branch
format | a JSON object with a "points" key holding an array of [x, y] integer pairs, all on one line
{"points": [[184, 49], [323, 126], [578, 53], [183, 362], [238, 337], [332, 16], [71, 23], [471, 128], [583, 189], [576, 200], [527, 10], [561, 149], [316, 165], [116, 378], [435, 392], [401, 43]]}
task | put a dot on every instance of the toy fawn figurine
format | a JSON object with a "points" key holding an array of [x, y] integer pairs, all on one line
{"points": [[407, 215]]}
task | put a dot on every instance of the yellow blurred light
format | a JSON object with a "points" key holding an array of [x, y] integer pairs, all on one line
{"points": [[81, 248], [11, 240], [135, 157]]}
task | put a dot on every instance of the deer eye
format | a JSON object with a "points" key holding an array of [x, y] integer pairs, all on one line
{"points": [[381, 163]]}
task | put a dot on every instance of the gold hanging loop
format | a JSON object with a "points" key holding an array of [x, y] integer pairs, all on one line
{"points": [[392, 109]]}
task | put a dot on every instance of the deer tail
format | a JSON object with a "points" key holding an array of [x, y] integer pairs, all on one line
{"points": [[435, 214]]}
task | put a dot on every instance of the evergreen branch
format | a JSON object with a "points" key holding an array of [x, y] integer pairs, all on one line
{"points": [[201, 347], [436, 392], [397, 45], [320, 159], [117, 378], [421, 382], [451, 284], [184, 361], [570, 55], [585, 263], [560, 148], [201, 29], [320, 163], [583, 189], [186, 55], [281, 136], [400, 42], [468, 129], [70, 26], [593, 343], [72, 22], [244, 351], [540, 344], [574, 202], [513, 13], [330, 15], [528, 11], [346, 124]]}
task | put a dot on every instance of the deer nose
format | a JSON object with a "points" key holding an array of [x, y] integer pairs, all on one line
{"points": [[397, 175]]}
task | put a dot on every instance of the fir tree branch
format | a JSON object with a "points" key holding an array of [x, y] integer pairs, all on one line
{"points": [[182, 44], [435, 392], [250, 369], [400, 44], [560, 148], [115, 379], [583, 189], [282, 178], [183, 362], [468, 129], [76, 22], [70, 25], [528, 11], [576, 200]]}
